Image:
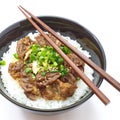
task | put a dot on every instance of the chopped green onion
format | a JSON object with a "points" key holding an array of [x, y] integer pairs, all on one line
{"points": [[33, 76], [65, 49], [78, 78], [63, 70], [48, 59], [43, 73], [60, 60], [16, 55], [2, 62], [35, 48], [28, 70], [53, 71], [32, 57], [55, 64]]}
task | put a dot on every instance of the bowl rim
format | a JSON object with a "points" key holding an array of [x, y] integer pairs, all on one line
{"points": [[17, 24]]}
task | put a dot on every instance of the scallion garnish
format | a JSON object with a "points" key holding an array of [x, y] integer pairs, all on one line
{"points": [[33, 76], [2, 62], [78, 78], [65, 49], [47, 59], [15, 55], [28, 70], [43, 73], [63, 70]]}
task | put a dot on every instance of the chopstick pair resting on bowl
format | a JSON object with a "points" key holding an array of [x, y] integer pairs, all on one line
{"points": [[92, 86]]}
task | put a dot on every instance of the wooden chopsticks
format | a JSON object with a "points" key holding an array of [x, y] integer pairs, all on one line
{"points": [[109, 78], [95, 89]]}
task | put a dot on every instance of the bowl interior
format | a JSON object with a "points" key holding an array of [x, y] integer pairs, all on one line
{"points": [[66, 27]]}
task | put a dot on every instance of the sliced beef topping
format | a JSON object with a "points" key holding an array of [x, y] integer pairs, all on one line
{"points": [[52, 76], [53, 85], [15, 69], [58, 90], [56, 41], [69, 78], [50, 92], [74, 73], [29, 86], [48, 79], [76, 59], [23, 46], [66, 89], [26, 84], [41, 41], [78, 62]]}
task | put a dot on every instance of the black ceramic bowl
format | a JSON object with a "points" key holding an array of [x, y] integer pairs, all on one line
{"points": [[68, 28]]}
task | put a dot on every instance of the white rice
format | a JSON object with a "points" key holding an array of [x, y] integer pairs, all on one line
{"points": [[16, 92]]}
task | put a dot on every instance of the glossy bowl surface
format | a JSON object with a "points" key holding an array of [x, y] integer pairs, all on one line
{"points": [[68, 28]]}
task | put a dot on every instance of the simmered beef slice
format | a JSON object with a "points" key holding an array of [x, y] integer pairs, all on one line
{"points": [[30, 89], [60, 89], [76, 59], [66, 89], [15, 69], [55, 40], [48, 79], [51, 77], [23, 46], [25, 80], [41, 41], [50, 92], [69, 78], [74, 73]]}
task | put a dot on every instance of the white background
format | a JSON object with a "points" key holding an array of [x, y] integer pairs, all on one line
{"points": [[101, 17]]}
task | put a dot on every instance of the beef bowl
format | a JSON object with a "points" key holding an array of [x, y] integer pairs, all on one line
{"points": [[35, 77]]}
